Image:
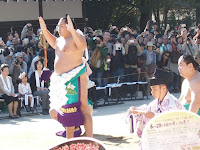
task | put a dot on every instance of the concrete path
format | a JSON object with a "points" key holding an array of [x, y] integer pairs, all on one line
{"points": [[38, 131]]}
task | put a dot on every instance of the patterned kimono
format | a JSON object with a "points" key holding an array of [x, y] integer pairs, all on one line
{"points": [[169, 103]]}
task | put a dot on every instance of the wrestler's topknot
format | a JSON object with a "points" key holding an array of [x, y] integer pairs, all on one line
{"points": [[73, 21]]}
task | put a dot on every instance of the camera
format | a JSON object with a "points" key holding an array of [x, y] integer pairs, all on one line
{"points": [[17, 62], [124, 29], [1, 51], [118, 46], [97, 41], [29, 28], [131, 41]]}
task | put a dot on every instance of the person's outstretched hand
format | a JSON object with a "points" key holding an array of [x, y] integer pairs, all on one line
{"points": [[42, 23], [70, 25]]}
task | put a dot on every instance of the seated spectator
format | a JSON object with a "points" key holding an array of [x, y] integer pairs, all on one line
{"points": [[18, 66], [8, 94], [40, 88], [24, 90]]}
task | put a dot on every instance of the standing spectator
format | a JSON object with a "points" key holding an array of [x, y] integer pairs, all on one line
{"points": [[18, 66], [150, 58], [106, 38], [99, 69], [117, 62], [27, 32], [123, 41], [7, 92], [132, 50], [9, 39], [180, 43], [197, 50], [8, 54], [188, 46], [39, 88]]}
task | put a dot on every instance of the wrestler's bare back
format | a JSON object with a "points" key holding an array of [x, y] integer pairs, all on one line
{"points": [[68, 56], [189, 86]]}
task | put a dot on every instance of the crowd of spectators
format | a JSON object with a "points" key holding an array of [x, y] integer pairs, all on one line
{"points": [[23, 53], [134, 56], [116, 55]]}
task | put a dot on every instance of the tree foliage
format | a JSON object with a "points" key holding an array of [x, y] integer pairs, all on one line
{"points": [[135, 13]]}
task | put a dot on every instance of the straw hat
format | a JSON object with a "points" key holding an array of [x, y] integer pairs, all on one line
{"points": [[151, 44]]}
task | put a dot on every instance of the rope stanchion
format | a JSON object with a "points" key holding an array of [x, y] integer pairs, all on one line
{"points": [[113, 77]]}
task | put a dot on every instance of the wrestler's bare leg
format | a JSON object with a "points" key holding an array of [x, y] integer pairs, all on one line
{"points": [[70, 132], [53, 113], [85, 108]]}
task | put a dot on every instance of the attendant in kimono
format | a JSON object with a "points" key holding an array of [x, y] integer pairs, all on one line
{"points": [[24, 90], [164, 102]]}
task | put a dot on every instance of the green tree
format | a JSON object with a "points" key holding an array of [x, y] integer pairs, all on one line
{"points": [[135, 13]]}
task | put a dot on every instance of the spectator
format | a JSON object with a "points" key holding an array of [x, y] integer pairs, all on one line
{"points": [[38, 57], [31, 55], [180, 43], [18, 66], [113, 38], [117, 63], [40, 88], [99, 70], [9, 39], [197, 50], [150, 58], [188, 46], [8, 54], [22, 50], [24, 90], [7, 92], [27, 32], [163, 63], [142, 68], [123, 41], [131, 61], [106, 38]]}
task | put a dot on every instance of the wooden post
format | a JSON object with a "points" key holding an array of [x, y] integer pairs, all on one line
{"points": [[40, 8]]}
